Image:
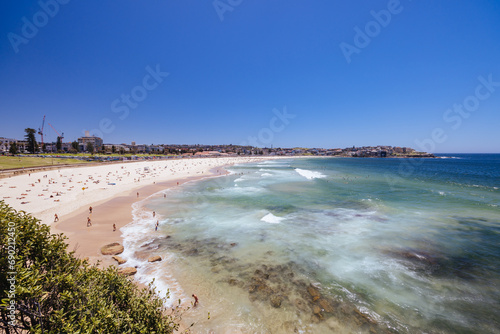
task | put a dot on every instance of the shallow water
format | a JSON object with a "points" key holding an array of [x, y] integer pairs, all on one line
{"points": [[331, 245]]}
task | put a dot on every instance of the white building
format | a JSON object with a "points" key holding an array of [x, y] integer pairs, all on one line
{"points": [[83, 141]]}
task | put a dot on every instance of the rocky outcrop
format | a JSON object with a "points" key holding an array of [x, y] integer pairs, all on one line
{"points": [[326, 305], [112, 249], [119, 259], [129, 271], [313, 292], [154, 258]]}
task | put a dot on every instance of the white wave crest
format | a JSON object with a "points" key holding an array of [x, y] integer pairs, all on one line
{"points": [[271, 219], [309, 174]]}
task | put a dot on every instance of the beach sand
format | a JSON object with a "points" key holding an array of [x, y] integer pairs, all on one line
{"points": [[87, 241], [64, 191], [110, 190]]}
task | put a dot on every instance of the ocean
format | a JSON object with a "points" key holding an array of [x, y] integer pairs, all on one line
{"points": [[322, 245]]}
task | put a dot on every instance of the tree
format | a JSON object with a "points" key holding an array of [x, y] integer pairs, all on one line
{"points": [[59, 144], [30, 138], [75, 146], [113, 149], [58, 293], [90, 148], [13, 148]]}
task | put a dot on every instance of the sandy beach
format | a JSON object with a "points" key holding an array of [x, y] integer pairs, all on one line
{"points": [[109, 189], [87, 241]]}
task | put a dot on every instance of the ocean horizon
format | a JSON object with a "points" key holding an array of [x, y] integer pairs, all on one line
{"points": [[317, 245]]}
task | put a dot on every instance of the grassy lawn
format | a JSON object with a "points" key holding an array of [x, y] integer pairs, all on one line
{"points": [[18, 162]]}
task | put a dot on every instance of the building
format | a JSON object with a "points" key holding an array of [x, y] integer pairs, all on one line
{"points": [[118, 148], [5, 144], [83, 141]]}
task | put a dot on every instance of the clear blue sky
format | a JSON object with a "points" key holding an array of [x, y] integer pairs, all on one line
{"points": [[227, 76]]}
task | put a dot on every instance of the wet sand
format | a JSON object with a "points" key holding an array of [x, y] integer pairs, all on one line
{"points": [[111, 204], [87, 241]]}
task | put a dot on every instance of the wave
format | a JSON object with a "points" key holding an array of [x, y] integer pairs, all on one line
{"points": [[309, 174], [136, 236], [272, 219]]}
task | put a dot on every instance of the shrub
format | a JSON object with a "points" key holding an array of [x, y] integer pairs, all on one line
{"points": [[54, 292]]}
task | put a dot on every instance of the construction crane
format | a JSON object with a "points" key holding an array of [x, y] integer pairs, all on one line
{"points": [[40, 131], [58, 135]]}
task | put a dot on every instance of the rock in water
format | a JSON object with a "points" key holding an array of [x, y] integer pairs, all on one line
{"points": [[317, 311], [112, 249], [154, 258], [119, 259], [325, 305], [127, 271], [276, 301], [313, 292]]}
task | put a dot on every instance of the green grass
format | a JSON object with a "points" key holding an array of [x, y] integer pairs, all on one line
{"points": [[19, 162]]}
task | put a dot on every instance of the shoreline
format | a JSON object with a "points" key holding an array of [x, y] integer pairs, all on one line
{"points": [[110, 190], [110, 205], [87, 241], [63, 191], [116, 207]]}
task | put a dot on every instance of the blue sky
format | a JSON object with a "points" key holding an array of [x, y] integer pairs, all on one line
{"points": [[233, 65]]}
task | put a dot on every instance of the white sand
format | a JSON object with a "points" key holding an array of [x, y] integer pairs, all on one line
{"points": [[60, 192]]}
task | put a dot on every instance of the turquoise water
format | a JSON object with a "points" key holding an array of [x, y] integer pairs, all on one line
{"points": [[335, 245]]}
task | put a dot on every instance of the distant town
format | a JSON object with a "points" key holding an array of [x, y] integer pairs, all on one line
{"points": [[95, 147]]}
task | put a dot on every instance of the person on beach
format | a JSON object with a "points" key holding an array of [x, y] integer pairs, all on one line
{"points": [[137, 194], [114, 227], [89, 222], [195, 300], [56, 218], [156, 226], [90, 210], [154, 214]]}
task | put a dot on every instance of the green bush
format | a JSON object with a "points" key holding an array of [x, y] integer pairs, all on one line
{"points": [[54, 292]]}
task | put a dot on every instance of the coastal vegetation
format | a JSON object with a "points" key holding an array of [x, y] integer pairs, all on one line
{"points": [[32, 145], [46, 289]]}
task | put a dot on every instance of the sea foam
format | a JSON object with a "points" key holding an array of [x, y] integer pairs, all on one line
{"points": [[309, 174], [272, 219]]}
